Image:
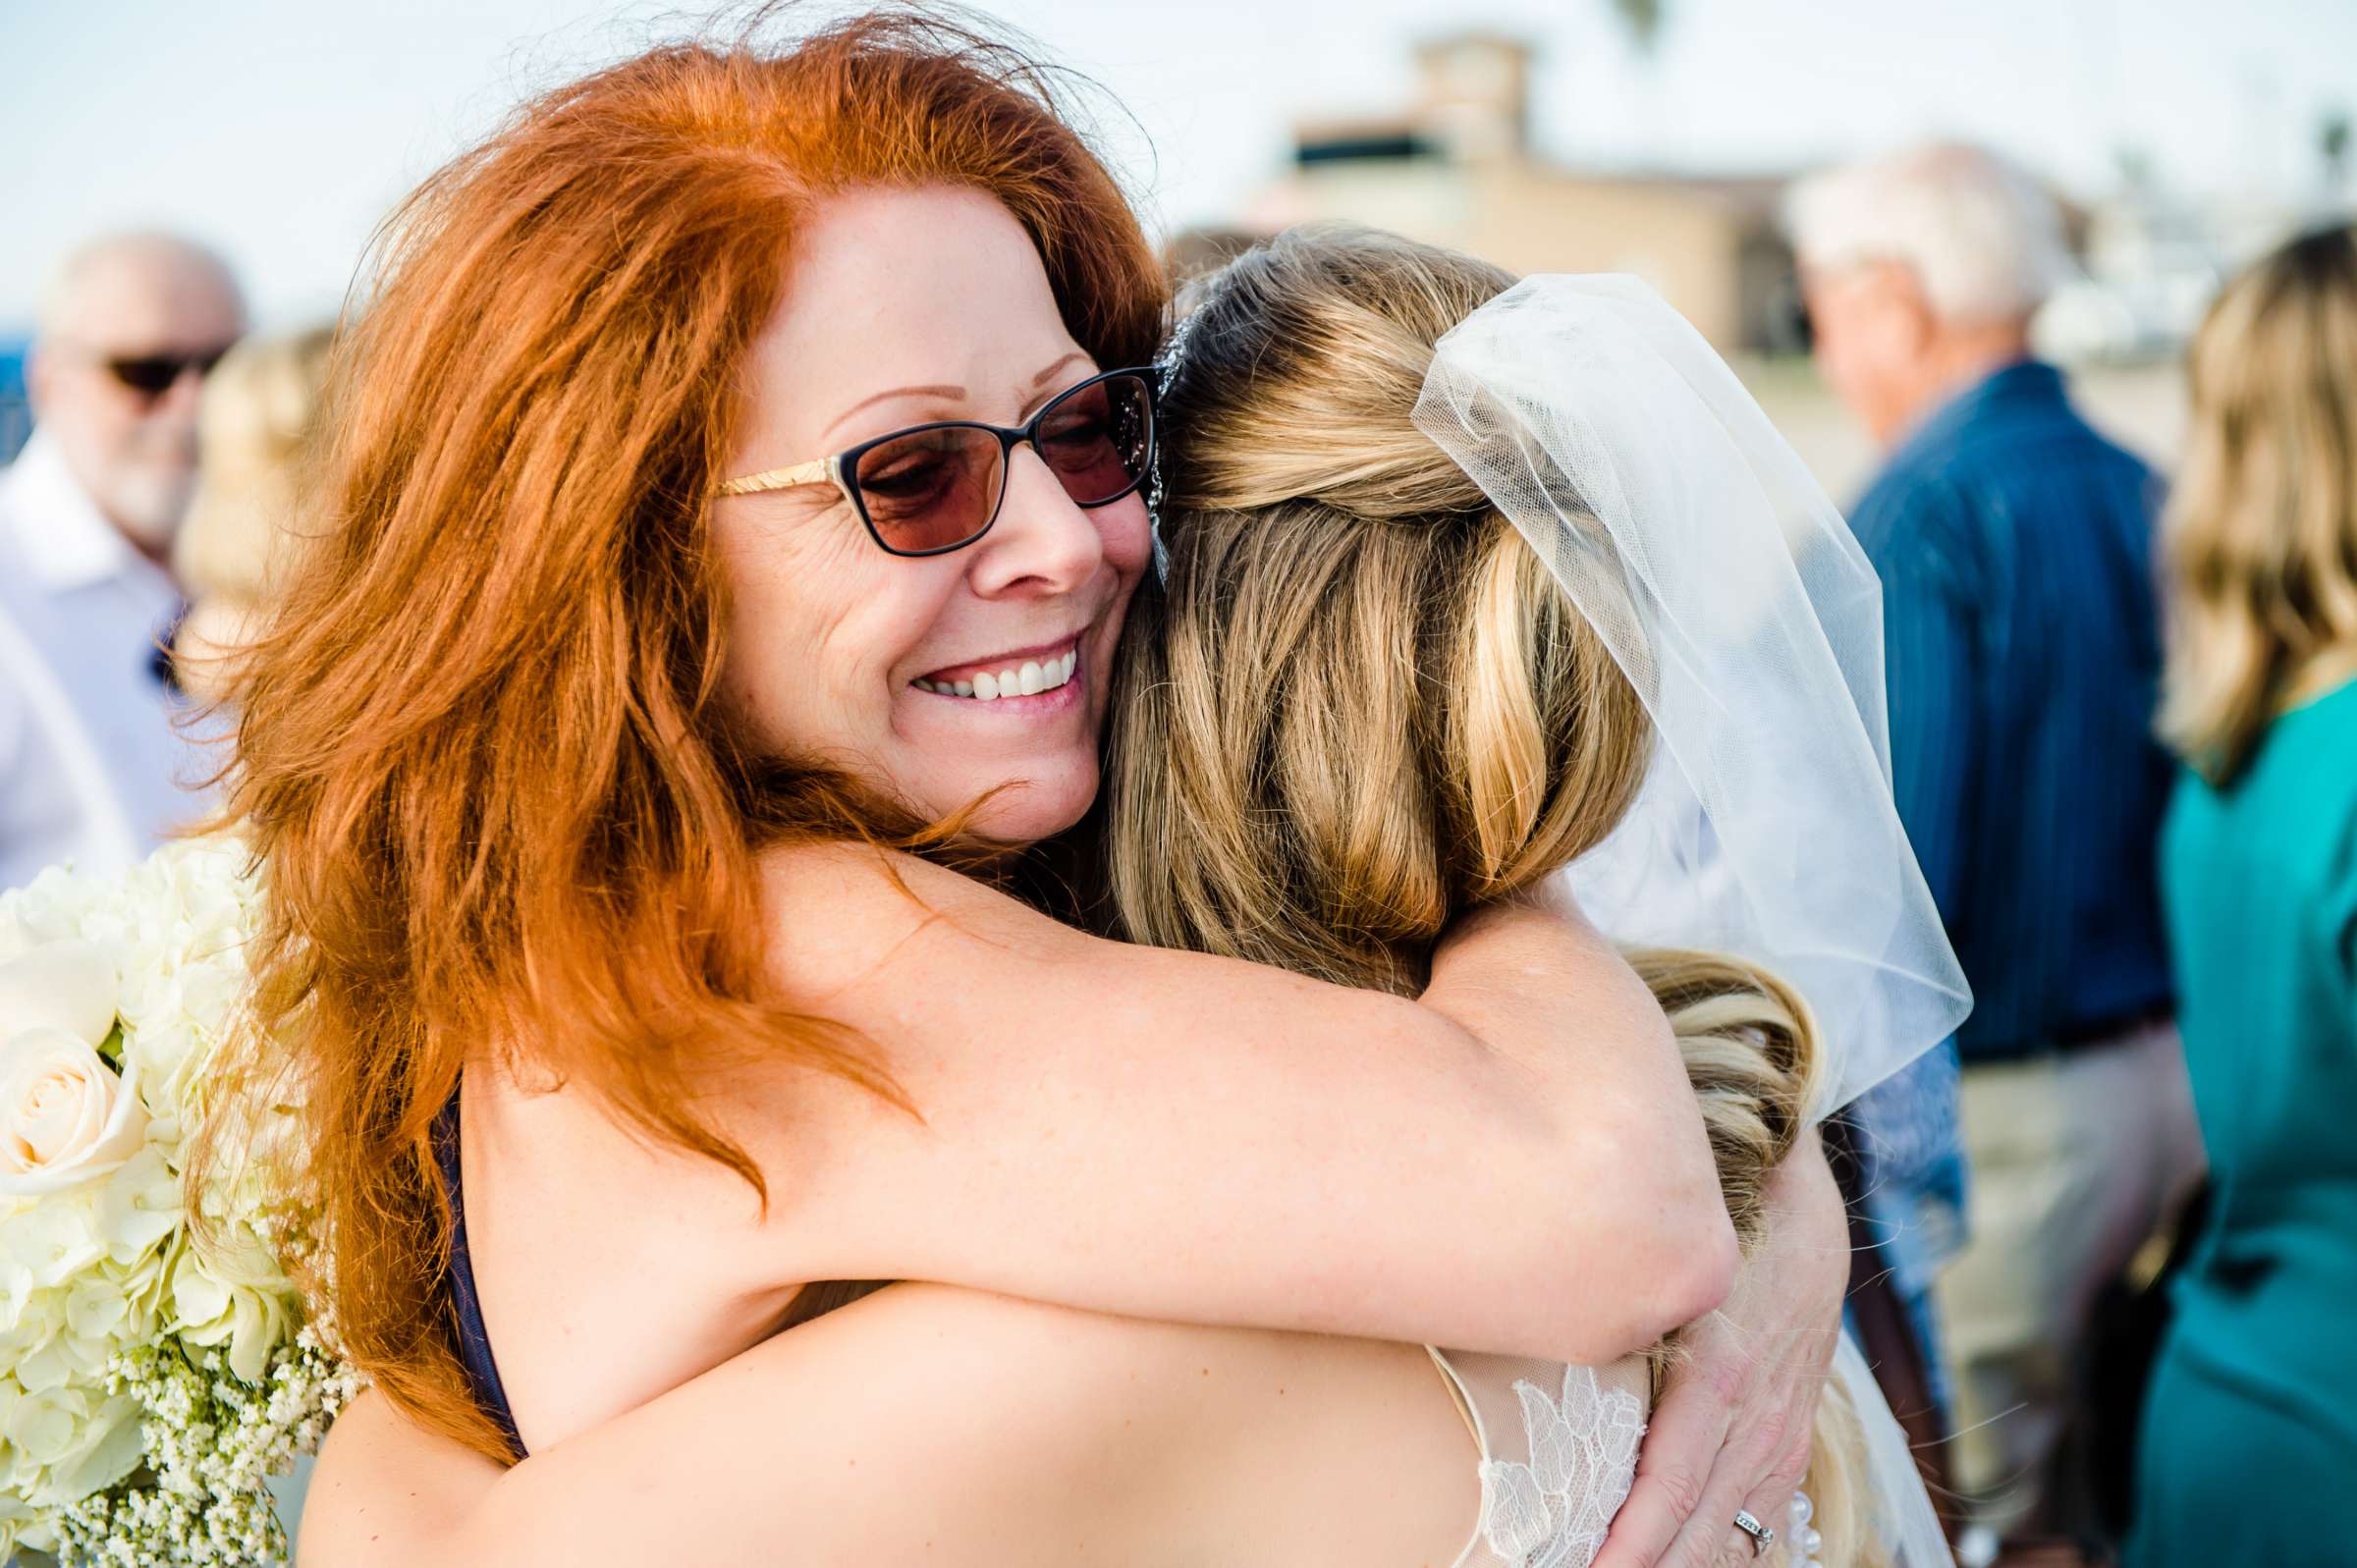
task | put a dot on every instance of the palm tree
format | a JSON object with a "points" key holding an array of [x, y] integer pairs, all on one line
{"points": [[1643, 20]]}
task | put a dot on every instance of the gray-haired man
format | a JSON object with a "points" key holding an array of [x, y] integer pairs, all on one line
{"points": [[91, 767]]}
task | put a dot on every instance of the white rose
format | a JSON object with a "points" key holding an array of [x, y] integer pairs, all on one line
{"points": [[60, 985], [65, 1116]]}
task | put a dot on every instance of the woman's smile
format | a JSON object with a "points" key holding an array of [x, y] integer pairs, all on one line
{"points": [[1044, 669]]}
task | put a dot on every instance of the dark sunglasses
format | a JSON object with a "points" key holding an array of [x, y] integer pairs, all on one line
{"points": [[934, 488], [152, 375]]}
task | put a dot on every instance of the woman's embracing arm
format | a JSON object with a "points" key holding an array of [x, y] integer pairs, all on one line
{"points": [[1514, 1163], [806, 1449], [921, 1424]]}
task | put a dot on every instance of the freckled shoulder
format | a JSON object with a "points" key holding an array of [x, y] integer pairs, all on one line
{"points": [[843, 915]]}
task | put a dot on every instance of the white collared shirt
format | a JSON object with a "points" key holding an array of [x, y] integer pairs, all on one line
{"points": [[92, 771]]}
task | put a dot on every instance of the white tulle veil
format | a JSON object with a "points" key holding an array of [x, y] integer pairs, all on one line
{"points": [[1733, 597], [1732, 594]]}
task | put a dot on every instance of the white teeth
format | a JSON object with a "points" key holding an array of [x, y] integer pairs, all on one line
{"points": [[1031, 678]]}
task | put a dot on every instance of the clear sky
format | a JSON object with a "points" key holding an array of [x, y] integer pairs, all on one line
{"points": [[281, 130]]}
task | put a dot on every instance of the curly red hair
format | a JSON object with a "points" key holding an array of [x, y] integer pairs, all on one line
{"points": [[481, 758]]}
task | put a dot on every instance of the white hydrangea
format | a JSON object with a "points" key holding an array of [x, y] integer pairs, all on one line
{"points": [[149, 1384]]}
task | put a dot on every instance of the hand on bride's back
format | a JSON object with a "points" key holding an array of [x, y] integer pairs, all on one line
{"points": [[1733, 1425]]}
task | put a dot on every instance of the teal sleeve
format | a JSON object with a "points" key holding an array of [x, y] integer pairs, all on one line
{"points": [[2340, 913]]}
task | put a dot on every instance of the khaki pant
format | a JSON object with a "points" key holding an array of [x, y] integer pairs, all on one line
{"points": [[2077, 1159]]}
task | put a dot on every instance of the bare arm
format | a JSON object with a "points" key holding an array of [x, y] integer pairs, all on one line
{"points": [[387, 1493], [1512, 1164], [880, 1434], [923, 1424]]}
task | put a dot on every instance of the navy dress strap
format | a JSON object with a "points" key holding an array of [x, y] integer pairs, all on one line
{"points": [[475, 1345]]}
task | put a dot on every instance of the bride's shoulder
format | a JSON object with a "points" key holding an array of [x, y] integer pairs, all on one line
{"points": [[1152, 1441], [1023, 1428]]}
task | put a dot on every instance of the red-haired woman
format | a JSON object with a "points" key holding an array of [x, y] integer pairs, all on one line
{"points": [[592, 770]]}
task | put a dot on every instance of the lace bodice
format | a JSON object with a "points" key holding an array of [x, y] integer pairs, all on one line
{"points": [[1557, 1452]]}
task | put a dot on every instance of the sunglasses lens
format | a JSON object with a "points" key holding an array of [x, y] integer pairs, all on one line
{"points": [[931, 489], [150, 374], [1099, 439]]}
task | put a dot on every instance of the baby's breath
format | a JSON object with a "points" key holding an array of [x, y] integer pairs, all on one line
{"points": [[212, 1444]]}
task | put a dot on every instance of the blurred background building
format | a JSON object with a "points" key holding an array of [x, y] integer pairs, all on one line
{"points": [[1459, 162], [1456, 166]]}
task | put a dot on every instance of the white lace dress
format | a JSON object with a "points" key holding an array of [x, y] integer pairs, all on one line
{"points": [[1558, 1449]]}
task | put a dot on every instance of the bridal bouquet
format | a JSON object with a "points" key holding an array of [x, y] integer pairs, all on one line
{"points": [[155, 1366]]}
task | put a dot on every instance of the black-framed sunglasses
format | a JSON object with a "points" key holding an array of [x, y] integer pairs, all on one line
{"points": [[933, 488], [152, 375]]}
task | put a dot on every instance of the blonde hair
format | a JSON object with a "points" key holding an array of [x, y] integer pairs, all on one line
{"points": [[1359, 704], [256, 430], [2261, 535]]}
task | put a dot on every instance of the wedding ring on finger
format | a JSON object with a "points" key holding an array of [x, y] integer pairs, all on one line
{"points": [[1762, 1537]]}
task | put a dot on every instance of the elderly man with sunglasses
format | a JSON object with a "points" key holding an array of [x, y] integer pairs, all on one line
{"points": [[93, 769]]}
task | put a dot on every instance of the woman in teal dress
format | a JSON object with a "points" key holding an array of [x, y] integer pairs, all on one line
{"points": [[2249, 1446]]}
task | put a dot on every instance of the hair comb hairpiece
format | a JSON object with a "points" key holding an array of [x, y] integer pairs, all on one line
{"points": [[1168, 368]]}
